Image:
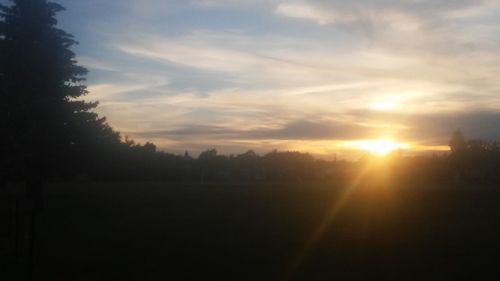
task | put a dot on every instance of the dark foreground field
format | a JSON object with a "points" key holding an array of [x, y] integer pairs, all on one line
{"points": [[146, 231]]}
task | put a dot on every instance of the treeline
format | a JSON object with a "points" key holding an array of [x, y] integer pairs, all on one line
{"points": [[473, 160], [130, 161]]}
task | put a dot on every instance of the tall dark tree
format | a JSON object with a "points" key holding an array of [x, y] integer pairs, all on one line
{"points": [[46, 128]]}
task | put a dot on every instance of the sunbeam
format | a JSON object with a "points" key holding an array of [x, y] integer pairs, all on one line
{"points": [[318, 233]]}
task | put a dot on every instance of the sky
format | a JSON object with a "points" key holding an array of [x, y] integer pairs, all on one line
{"points": [[314, 76]]}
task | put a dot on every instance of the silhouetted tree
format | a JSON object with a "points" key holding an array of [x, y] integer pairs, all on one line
{"points": [[458, 147], [247, 165], [482, 159], [288, 165], [457, 142], [45, 127], [207, 160]]}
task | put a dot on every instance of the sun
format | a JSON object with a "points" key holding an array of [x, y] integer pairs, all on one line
{"points": [[381, 147], [378, 146]]}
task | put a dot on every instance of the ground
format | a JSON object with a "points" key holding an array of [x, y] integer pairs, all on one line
{"points": [[308, 231]]}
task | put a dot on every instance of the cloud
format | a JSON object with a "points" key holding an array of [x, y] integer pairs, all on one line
{"points": [[296, 130], [418, 24], [354, 14], [438, 128], [195, 56], [233, 3], [95, 64], [357, 16], [247, 61], [424, 132], [430, 129], [310, 12], [435, 128], [338, 11]]}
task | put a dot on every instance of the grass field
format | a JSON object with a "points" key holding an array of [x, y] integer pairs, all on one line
{"points": [[161, 231]]}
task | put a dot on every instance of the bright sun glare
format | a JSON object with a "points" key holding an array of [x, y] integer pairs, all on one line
{"points": [[379, 146], [384, 105]]}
